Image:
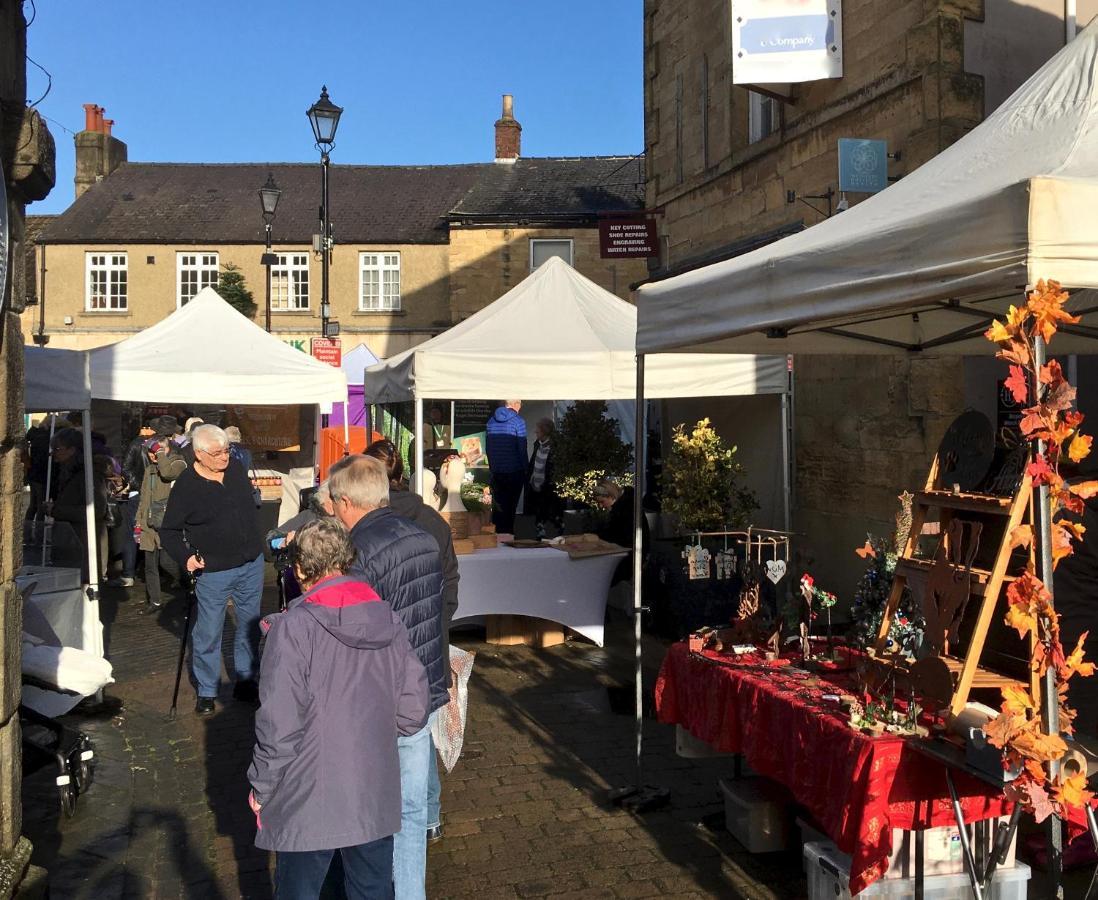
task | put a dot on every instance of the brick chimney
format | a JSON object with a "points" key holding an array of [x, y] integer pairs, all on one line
{"points": [[508, 133], [98, 153]]}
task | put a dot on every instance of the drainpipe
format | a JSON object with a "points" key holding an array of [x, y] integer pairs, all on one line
{"points": [[1069, 20], [41, 338]]}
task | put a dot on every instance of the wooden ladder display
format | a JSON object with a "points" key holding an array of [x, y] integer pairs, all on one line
{"points": [[986, 584]]}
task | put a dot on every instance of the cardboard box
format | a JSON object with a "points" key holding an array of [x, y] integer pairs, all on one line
{"points": [[689, 747]]}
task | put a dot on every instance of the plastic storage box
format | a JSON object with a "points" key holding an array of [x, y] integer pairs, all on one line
{"points": [[690, 747], [757, 813], [828, 873]]}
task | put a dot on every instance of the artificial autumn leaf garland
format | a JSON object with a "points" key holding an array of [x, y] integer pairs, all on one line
{"points": [[1018, 730]]}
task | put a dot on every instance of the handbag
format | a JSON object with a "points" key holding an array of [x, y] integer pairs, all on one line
{"points": [[257, 494]]}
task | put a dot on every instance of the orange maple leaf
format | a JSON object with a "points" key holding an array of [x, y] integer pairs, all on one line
{"points": [[1079, 449], [1074, 663], [1046, 305], [1021, 536], [1016, 384], [1016, 700], [998, 333], [1072, 791], [1085, 489]]}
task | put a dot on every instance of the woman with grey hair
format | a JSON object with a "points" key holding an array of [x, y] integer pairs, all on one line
{"points": [[340, 683]]}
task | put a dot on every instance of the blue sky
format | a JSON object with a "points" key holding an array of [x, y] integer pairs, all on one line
{"points": [[420, 81]]}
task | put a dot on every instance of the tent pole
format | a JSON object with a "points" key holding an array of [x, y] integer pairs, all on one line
{"points": [[47, 529], [639, 797], [1050, 701], [417, 437], [347, 429], [640, 439], [787, 500], [93, 539], [453, 423]]}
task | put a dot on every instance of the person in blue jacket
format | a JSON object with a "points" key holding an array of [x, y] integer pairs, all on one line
{"points": [[507, 461]]}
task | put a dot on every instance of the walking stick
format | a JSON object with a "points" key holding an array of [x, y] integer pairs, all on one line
{"points": [[191, 601]]}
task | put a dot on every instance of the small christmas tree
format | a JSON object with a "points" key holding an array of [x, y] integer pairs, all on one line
{"points": [[906, 632], [235, 292]]}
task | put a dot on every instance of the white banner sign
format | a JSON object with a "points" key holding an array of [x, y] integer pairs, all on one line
{"points": [[784, 41]]}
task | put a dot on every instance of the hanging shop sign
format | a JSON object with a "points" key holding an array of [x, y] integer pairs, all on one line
{"points": [[265, 428], [863, 165], [783, 41], [327, 350], [627, 238]]}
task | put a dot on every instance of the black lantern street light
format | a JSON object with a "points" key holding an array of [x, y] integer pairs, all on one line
{"points": [[324, 117], [268, 198]]}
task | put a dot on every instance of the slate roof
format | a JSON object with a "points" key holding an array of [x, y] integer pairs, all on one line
{"points": [[555, 187], [215, 203]]}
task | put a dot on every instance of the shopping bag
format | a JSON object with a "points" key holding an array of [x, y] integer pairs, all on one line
{"points": [[448, 730]]}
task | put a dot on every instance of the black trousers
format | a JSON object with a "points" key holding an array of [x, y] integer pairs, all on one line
{"points": [[506, 492]]}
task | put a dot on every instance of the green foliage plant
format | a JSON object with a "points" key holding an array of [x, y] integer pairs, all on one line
{"points": [[701, 481], [587, 448]]}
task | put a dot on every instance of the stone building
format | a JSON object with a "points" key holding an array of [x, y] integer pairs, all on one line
{"points": [[730, 169], [27, 168], [417, 248]]}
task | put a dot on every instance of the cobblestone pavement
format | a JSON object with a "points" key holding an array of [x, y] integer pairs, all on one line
{"points": [[524, 811]]}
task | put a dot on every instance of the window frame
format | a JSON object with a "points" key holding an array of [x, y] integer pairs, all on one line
{"points": [[571, 242], [292, 286], [109, 266], [200, 269], [382, 266], [758, 129]]}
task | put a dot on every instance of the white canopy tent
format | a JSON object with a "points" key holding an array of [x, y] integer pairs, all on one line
{"points": [[925, 264], [558, 334], [207, 352], [356, 361], [56, 381]]}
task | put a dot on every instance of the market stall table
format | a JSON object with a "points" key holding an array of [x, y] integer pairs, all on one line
{"points": [[858, 787], [542, 583]]}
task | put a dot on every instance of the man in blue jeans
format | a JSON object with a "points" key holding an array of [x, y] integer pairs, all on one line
{"points": [[211, 528], [401, 562]]}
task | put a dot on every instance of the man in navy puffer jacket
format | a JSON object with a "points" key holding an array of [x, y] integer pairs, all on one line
{"points": [[507, 459], [401, 562]]}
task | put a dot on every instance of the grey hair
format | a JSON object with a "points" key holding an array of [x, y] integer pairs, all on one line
{"points": [[191, 424], [547, 425], [208, 437], [607, 487], [362, 480], [233, 434], [322, 547]]}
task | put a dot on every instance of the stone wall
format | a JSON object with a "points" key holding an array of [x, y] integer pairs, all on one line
{"points": [[27, 163], [865, 428], [485, 263], [153, 293]]}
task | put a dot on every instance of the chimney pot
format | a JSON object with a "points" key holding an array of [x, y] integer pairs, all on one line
{"points": [[99, 110], [89, 116], [107, 123], [508, 133]]}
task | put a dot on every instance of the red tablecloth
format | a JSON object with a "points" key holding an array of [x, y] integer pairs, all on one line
{"points": [[857, 787]]}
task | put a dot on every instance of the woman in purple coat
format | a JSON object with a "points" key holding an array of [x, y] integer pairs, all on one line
{"points": [[339, 681]]}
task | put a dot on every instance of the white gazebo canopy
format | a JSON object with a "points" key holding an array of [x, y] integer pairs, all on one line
{"points": [[925, 264], [207, 352], [55, 380], [559, 335], [357, 361]]}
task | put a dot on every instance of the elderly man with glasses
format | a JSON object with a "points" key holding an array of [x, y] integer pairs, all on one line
{"points": [[211, 528]]}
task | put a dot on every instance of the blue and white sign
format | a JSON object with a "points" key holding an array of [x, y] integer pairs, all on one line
{"points": [[784, 41], [863, 165]]}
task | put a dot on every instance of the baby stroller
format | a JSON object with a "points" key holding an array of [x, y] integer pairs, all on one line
{"points": [[55, 679]]}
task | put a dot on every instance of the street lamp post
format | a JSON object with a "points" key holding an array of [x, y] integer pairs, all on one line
{"points": [[324, 118], [268, 199]]}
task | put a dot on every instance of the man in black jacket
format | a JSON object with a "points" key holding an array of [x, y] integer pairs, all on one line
{"points": [[401, 562], [211, 527]]}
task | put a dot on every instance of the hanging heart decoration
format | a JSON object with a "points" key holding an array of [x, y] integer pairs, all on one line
{"points": [[775, 570]]}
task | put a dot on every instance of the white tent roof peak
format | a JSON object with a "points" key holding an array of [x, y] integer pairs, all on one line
{"points": [[207, 352], [553, 336], [1010, 202]]}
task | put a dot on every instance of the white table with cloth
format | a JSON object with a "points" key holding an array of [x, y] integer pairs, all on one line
{"points": [[543, 583]]}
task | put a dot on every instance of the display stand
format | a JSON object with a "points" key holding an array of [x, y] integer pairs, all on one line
{"points": [[998, 517]]}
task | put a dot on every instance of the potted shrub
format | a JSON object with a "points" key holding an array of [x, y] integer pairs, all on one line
{"points": [[701, 482], [587, 448]]}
